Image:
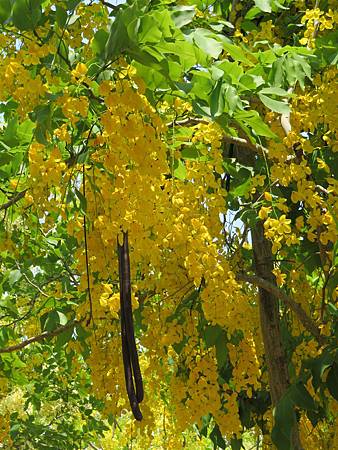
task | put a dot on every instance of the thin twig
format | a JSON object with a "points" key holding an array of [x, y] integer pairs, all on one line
{"points": [[306, 321], [86, 251], [245, 143], [226, 138], [35, 286], [40, 337], [13, 200], [93, 446], [190, 121], [110, 5], [322, 189]]}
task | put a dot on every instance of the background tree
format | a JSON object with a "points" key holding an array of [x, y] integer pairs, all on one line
{"points": [[206, 131]]}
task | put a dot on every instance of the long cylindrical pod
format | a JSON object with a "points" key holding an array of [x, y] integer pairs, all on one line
{"points": [[128, 316], [129, 351]]}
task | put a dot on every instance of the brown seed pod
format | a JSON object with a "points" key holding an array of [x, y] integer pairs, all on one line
{"points": [[129, 351]]}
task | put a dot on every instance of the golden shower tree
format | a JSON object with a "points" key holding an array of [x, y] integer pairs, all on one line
{"points": [[168, 224]]}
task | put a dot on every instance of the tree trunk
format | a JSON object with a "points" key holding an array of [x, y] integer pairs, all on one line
{"points": [[269, 318]]}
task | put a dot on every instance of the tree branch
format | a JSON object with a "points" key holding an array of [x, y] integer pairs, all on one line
{"points": [[35, 286], [93, 446], [245, 143], [306, 321], [110, 5], [227, 138], [13, 200], [40, 337]]}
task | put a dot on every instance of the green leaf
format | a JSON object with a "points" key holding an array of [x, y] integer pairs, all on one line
{"points": [[5, 158], [242, 189], [230, 167], [25, 131], [73, 18], [285, 419], [326, 48], [221, 350], [179, 346], [201, 85], [61, 16], [82, 333], [207, 41], [217, 100], [10, 135], [236, 444], [249, 82], [62, 318], [266, 58], [118, 39], [149, 56], [205, 424], [49, 321], [332, 381], [26, 14], [231, 69], [5, 335], [180, 171], [237, 53], [301, 397], [254, 121], [252, 13], [295, 68], [153, 79], [232, 99], [278, 5], [14, 276], [248, 216], [263, 5], [183, 50], [7, 303], [148, 31], [274, 105], [99, 42], [333, 310], [82, 198], [175, 70], [5, 10], [277, 72], [216, 73], [190, 153], [201, 108], [182, 15], [188, 302], [211, 334], [217, 438], [275, 91], [42, 114], [52, 319]]}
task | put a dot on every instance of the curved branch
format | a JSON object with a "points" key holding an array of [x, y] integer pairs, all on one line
{"points": [[226, 138], [13, 200], [306, 321], [40, 337]]}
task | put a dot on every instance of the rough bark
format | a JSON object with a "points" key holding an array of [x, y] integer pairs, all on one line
{"points": [[276, 360], [270, 323]]}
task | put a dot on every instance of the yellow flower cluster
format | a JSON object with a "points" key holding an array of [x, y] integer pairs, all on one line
{"points": [[315, 19], [73, 108], [312, 110], [246, 364], [130, 183], [18, 82], [47, 170], [172, 224], [279, 232]]}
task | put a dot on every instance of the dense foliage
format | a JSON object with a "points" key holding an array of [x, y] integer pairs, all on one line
{"points": [[206, 130]]}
